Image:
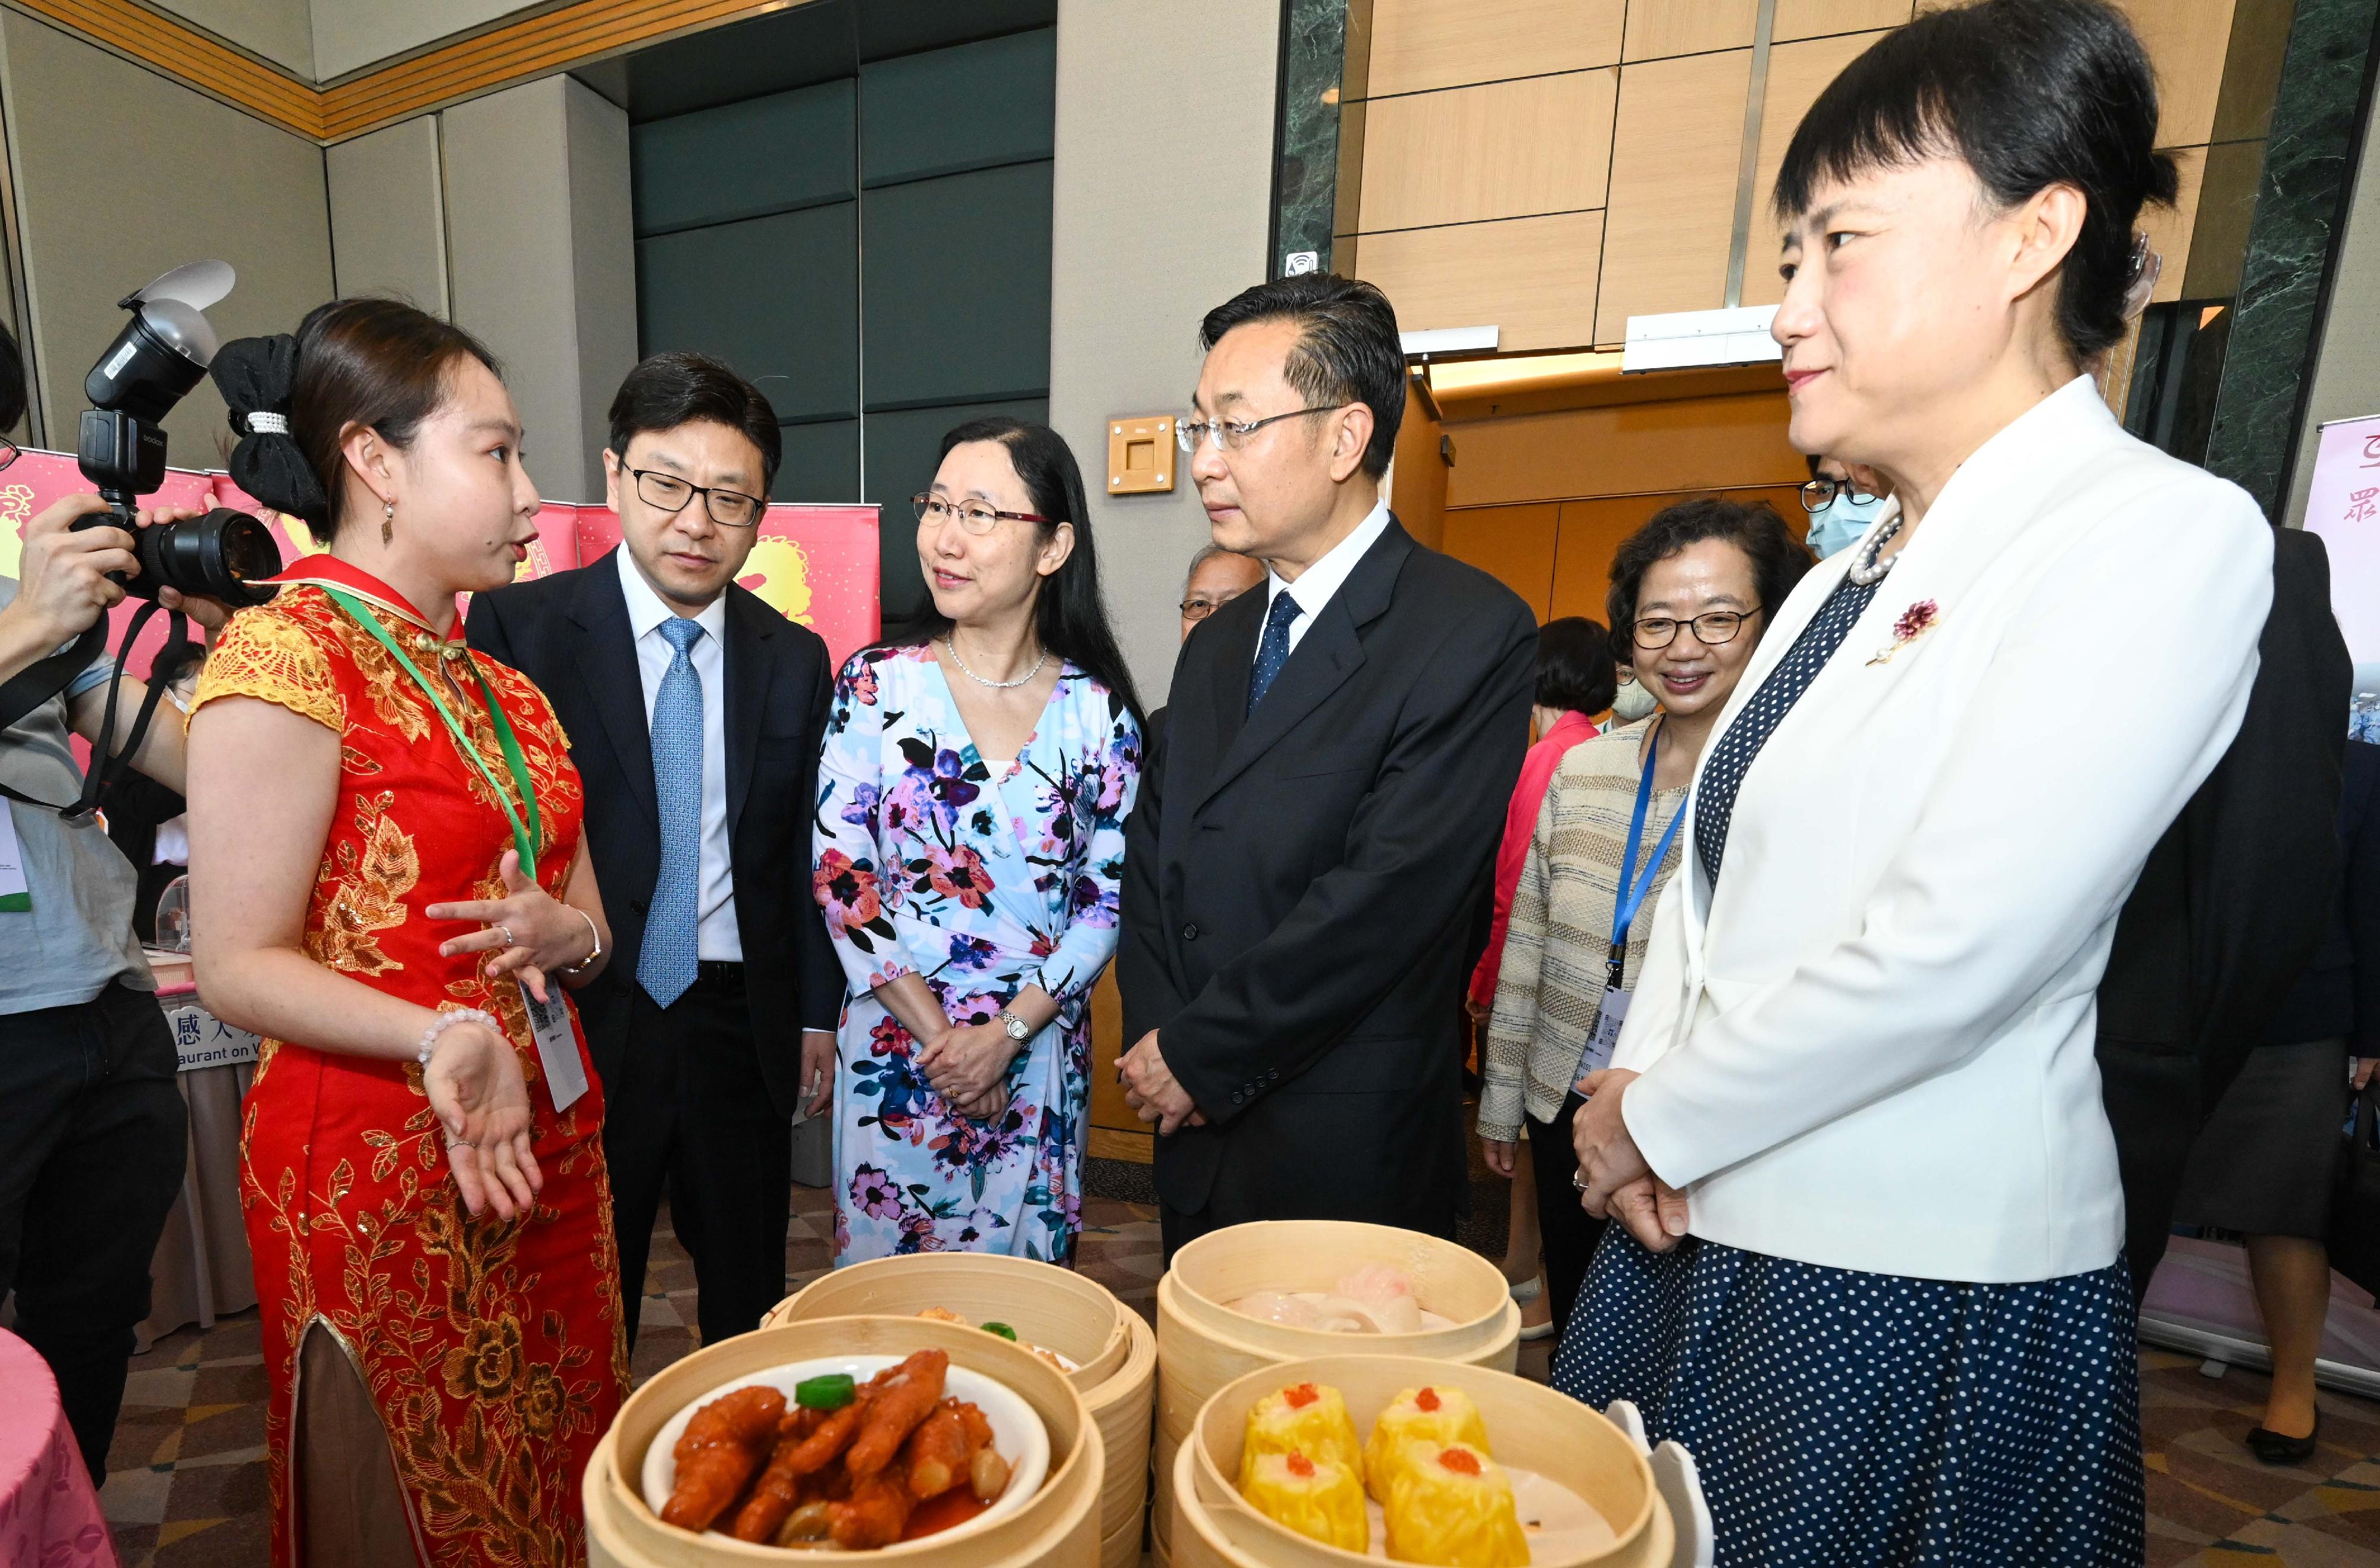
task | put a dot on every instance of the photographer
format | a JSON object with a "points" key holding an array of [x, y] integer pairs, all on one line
{"points": [[92, 1127]]}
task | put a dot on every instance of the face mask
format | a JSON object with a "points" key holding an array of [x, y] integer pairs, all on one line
{"points": [[1634, 701], [1841, 525]]}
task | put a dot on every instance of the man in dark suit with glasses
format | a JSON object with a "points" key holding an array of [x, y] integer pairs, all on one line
{"points": [[694, 714], [1314, 832]]}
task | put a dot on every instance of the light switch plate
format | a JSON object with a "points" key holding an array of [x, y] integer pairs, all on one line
{"points": [[1141, 454]]}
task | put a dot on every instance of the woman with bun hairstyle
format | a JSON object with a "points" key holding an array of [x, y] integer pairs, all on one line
{"points": [[389, 885], [1869, 1266]]}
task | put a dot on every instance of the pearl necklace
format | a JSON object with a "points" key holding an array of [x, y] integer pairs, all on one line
{"points": [[1866, 570], [951, 646]]}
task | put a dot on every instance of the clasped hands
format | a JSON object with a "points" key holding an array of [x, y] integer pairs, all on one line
{"points": [[1613, 1180], [968, 1065], [1153, 1092]]}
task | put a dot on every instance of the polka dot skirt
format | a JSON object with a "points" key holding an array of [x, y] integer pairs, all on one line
{"points": [[1733, 758], [1841, 1417]]}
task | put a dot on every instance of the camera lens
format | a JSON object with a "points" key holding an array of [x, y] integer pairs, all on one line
{"points": [[224, 555]]}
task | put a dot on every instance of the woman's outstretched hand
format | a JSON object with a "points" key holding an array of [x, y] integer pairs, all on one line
{"points": [[546, 934], [482, 1102]]}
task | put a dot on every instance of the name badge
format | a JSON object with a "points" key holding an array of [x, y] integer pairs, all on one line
{"points": [[1599, 1044], [14, 894], [557, 1047]]}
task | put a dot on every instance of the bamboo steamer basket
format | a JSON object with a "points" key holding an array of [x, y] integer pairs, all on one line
{"points": [[1202, 1343], [1059, 1525], [1528, 1425], [1056, 1308], [1121, 1550], [1051, 1307]]}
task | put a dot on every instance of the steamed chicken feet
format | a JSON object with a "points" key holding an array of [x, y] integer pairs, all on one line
{"points": [[875, 1515], [808, 1441]]}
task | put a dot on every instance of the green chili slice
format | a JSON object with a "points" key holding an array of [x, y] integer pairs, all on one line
{"points": [[831, 1391], [1003, 1329]]}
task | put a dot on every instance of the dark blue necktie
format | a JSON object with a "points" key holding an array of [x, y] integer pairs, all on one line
{"points": [[1273, 651], [666, 966]]}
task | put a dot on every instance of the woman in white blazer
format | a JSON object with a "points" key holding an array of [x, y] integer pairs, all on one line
{"points": [[1870, 1273]]}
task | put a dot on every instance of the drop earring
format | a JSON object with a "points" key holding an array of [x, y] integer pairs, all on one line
{"points": [[388, 521]]}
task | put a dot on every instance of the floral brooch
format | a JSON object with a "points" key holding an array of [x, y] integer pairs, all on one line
{"points": [[1914, 623]]}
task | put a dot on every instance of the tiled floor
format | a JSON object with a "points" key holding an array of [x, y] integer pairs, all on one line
{"points": [[185, 1483]]}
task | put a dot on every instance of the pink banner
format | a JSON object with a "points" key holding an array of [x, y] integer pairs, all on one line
{"points": [[813, 564]]}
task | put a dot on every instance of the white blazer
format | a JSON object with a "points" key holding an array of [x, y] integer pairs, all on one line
{"points": [[1872, 1048]]}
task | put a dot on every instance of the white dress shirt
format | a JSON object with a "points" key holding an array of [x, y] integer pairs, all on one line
{"points": [[1319, 582], [717, 939]]}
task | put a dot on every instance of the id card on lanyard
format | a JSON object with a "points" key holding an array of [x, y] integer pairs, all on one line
{"points": [[557, 1048], [1635, 882]]}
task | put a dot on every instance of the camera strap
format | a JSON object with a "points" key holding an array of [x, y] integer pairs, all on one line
{"points": [[108, 764]]}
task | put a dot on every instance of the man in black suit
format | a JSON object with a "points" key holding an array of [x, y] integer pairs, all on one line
{"points": [[1316, 825], [2231, 906], [694, 714]]}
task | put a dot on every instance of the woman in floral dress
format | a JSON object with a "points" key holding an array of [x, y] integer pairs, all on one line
{"points": [[387, 867], [971, 843]]}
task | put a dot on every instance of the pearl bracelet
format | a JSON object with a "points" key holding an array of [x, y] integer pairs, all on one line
{"points": [[580, 967], [448, 1020]]}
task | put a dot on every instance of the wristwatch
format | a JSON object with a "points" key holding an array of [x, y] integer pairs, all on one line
{"points": [[1017, 1029]]}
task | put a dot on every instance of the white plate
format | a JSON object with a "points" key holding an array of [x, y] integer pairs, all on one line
{"points": [[1016, 1431]]}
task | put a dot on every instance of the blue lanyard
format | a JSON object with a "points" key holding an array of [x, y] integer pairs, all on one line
{"points": [[1636, 884]]}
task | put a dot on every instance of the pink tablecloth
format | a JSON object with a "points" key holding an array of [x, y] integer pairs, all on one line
{"points": [[49, 1515]]}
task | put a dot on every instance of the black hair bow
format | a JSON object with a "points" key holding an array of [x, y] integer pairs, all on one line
{"points": [[256, 377]]}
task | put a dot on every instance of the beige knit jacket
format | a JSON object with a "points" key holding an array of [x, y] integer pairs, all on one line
{"points": [[1549, 990]]}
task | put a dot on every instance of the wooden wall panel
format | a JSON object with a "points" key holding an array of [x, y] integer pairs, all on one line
{"points": [[1591, 532], [1115, 1132], [1817, 19], [1421, 45], [1512, 544], [2187, 40], [1508, 150], [1418, 474], [1690, 443], [1667, 28], [1676, 143], [1797, 74], [1533, 277], [2169, 230]]}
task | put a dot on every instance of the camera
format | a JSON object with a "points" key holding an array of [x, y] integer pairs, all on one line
{"points": [[161, 355]]}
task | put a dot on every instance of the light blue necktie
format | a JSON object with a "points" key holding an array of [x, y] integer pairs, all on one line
{"points": [[665, 968], [1273, 651]]}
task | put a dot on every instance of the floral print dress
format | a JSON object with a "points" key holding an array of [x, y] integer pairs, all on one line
{"points": [[927, 865]]}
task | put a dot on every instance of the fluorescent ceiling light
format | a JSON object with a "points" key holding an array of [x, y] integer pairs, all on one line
{"points": [[1450, 340], [1701, 337]]}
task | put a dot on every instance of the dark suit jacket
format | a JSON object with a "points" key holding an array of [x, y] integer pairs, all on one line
{"points": [[1299, 883], [2339, 996], [569, 633], [2232, 904]]}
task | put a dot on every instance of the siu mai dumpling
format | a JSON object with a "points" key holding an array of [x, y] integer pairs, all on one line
{"points": [[1320, 1499], [1309, 1418], [1452, 1506], [1429, 1415]]}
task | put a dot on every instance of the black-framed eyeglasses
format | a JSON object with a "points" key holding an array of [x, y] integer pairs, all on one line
{"points": [[1820, 493], [729, 508], [8, 452], [1230, 435], [974, 516], [1714, 629]]}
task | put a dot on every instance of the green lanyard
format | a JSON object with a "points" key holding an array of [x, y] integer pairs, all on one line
{"points": [[526, 839]]}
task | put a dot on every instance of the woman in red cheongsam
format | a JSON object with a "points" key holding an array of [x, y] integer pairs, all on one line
{"points": [[386, 865]]}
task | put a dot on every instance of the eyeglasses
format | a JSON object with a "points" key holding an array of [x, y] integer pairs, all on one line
{"points": [[8, 452], [1714, 630], [1230, 435], [974, 516], [1199, 609], [1819, 494], [729, 508]]}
